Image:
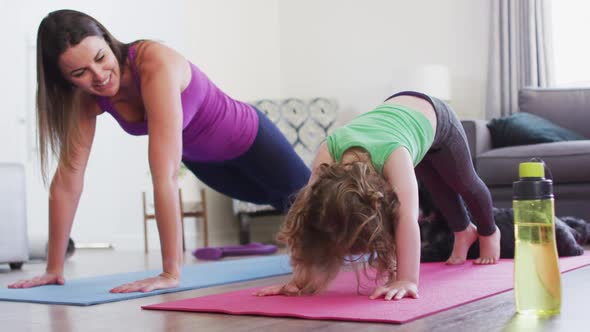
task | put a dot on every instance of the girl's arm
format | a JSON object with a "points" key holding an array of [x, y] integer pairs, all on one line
{"points": [[322, 157], [64, 194], [399, 172], [308, 281], [162, 72]]}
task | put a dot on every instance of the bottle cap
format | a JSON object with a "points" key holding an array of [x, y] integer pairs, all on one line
{"points": [[532, 184], [531, 170]]}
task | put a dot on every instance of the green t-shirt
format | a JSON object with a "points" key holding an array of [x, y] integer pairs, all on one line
{"points": [[381, 131]]}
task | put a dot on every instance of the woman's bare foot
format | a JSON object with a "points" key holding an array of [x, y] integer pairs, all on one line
{"points": [[489, 248], [461, 245]]}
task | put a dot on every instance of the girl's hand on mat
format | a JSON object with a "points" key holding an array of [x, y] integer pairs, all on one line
{"points": [[287, 289], [147, 285], [46, 279], [396, 290]]}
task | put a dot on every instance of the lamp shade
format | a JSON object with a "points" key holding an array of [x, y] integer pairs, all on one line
{"points": [[433, 80]]}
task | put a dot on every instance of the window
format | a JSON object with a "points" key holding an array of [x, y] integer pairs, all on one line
{"points": [[571, 42]]}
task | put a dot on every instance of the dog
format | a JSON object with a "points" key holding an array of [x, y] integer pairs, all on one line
{"points": [[436, 237]]}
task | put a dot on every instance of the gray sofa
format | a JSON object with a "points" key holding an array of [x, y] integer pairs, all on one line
{"points": [[14, 246], [569, 161]]}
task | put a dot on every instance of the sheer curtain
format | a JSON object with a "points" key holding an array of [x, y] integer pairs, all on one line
{"points": [[520, 52]]}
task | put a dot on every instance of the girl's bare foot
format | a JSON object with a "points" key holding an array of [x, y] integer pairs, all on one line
{"points": [[461, 245], [489, 248]]}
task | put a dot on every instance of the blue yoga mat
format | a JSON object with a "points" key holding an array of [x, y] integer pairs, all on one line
{"points": [[95, 290]]}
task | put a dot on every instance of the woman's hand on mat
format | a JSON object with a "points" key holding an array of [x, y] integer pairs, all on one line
{"points": [[288, 289], [46, 279], [162, 281], [396, 290]]}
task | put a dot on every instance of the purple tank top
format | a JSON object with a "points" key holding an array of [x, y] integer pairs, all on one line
{"points": [[215, 126]]}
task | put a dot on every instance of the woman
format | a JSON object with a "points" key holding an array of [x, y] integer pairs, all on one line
{"points": [[83, 72]]}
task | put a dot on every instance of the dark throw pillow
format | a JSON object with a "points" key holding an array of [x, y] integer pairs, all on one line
{"points": [[525, 128]]}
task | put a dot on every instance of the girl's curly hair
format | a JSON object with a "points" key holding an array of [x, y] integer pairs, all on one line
{"points": [[347, 210]]}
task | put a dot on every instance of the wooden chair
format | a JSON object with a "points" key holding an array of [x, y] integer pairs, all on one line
{"points": [[200, 212]]}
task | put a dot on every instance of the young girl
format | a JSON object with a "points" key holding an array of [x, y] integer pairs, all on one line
{"points": [[149, 89], [362, 198]]}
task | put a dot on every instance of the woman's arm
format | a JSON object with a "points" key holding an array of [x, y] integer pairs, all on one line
{"points": [[162, 73], [399, 172], [65, 191], [64, 196]]}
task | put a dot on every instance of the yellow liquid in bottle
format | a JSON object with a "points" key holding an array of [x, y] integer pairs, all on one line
{"points": [[536, 270]]}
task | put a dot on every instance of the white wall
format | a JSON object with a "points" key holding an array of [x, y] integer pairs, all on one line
{"points": [[236, 43], [349, 50], [353, 50], [12, 87]]}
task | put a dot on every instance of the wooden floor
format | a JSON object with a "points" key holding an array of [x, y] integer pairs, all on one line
{"points": [[491, 314]]}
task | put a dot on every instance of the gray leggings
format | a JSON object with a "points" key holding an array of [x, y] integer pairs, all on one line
{"points": [[448, 174]]}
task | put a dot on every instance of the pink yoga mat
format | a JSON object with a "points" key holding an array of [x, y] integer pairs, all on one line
{"points": [[442, 287]]}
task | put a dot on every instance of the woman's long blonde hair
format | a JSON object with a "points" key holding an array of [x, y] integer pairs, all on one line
{"points": [[348, 209], [58, 100]]}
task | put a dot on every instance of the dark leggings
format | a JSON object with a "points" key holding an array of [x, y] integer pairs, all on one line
{"points": [[270, 172], [448, 174]]}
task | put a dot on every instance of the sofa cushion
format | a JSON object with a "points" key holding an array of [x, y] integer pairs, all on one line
{"points": [[568, 161], [524, 128]]}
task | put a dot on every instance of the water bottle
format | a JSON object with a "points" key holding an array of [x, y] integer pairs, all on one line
{"points": [[537, 280]]}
